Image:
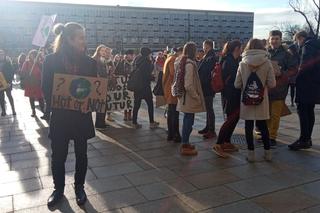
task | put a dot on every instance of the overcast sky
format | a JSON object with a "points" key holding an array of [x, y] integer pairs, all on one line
{"points": [[268, 13]]}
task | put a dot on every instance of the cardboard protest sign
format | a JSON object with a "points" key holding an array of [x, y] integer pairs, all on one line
{"points": [[119, 98], [43, 31], [3, 83], [79, 93]]}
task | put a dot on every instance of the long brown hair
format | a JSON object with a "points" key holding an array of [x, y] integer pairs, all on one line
{"points": [[190, 50], [63, 33], [230, 46], [255, 44]]}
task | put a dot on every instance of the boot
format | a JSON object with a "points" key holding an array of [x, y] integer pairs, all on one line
{"points": [[188, 150], [55, 197], [81, 196], [268, 155], [251, 156]]}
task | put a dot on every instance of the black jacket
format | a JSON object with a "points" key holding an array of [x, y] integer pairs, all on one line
{"points": [[308, 77], [230, 94], [7, 69], [206, 66], [67, 123], [143, 68], [288, 69]]}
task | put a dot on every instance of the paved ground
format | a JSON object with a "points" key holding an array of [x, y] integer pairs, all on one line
{"points": [[138, 171]]}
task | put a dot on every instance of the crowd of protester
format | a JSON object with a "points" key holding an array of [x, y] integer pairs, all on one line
{"points": [[256, 77]]}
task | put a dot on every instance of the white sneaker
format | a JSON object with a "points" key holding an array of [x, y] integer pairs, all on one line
{"points": [[154, 125], [268, 155], [251, 156]]}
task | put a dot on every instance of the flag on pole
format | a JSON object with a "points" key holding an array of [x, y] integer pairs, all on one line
{"points": [[43, 31]]}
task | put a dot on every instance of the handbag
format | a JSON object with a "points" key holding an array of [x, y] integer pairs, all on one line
{"points": [[158, 89]]}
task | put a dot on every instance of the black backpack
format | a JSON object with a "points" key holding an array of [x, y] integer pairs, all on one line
{"points": [[253, 93]]}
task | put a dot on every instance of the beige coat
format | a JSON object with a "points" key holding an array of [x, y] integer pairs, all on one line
{"points": [[255, 60], [193, 100]]}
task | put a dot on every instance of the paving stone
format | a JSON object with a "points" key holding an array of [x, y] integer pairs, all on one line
{"points": [[150, 176], [285, 201], [160, 190], [311, 189], [255, 186], [14, 176], [107, 160], [152, 153], [38, 198], [216, 178], [6, 204], [170, 205], [13, 150], [106, 185], [17, 187], [209, 198], [315, 209], [116, 200], [117, 169], [34, 163], [192, 168], [238, 207], [227, 163], [29, 155]]}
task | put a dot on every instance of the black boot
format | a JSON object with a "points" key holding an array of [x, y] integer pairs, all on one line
{"points": [[203, 131], [81, 196], [299, 144], [55, 197]]}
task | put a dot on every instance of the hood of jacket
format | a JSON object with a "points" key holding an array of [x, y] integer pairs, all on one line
{"points": [[255, 58]]}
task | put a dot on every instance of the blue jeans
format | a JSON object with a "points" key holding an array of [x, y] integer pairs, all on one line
{"points": [[188, 121]]}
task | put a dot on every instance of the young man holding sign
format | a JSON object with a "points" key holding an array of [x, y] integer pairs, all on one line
{"points": [[70, 58]]}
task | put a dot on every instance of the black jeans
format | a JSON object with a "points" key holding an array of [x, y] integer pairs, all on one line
{"points": [[262, 125], [210, 123], [292, 92], [307, 120], [59, 156], [33, 106], [173, 121], [2, 99], [146, 95], [229, 126]]}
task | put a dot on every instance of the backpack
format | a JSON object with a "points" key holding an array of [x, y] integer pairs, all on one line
{"points": [[177, 88], [217, 83], [253, 93]]}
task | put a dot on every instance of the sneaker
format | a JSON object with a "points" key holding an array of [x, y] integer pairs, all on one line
{"points": [[210, 135], [229, 147], [136, 126], [251, 156], [81, 196], [154, 125], [55, 197], [14, 113], [45, 117], [217, 148], [204, 131], [268, 155], [3, 114], [186, 150]]}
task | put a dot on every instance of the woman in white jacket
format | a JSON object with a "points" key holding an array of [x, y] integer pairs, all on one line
{"points": [[255, 59]]}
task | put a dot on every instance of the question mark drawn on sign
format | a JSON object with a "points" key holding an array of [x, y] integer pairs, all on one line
{"points": [[62, 81], [98, 83]]}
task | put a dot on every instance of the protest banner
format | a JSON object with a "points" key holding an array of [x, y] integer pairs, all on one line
{"points": [[43, 31], [119, 98], [3, 83], [79, 93]]}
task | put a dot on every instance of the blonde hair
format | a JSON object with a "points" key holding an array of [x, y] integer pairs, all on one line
{"points": [[63, 33], [96, 54]]}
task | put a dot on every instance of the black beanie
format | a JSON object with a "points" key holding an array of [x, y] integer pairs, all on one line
{"points": [[145, 51]]}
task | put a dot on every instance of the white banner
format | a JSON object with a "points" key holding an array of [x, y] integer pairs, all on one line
{"points": [[43, 31], [119, 98]]}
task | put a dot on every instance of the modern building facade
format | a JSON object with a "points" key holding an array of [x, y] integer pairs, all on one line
{"points": [[124, 27]]}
